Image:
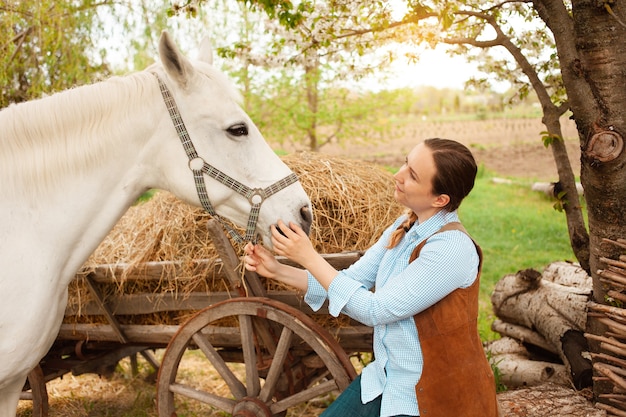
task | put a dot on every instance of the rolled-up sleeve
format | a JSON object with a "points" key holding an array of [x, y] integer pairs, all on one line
{"points": [[340, 291], [315, 295]]}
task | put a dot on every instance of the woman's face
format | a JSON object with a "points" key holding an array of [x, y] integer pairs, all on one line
{"points": [[414, 183]]}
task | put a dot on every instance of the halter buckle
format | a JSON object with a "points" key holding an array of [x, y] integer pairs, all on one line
{"points": [[257, 196], [196, 164]]}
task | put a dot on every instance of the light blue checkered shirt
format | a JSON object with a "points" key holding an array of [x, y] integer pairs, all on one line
{"points": [[447, 262]]}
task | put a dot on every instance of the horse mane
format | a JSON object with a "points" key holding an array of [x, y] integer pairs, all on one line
{"points": [[51, 137], [64, 134]]}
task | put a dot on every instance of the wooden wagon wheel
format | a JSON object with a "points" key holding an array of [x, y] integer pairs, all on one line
{"points": [[38, 392], [297, 359]]}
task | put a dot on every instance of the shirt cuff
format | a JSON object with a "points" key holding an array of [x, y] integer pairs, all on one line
{"points": [[315, 295], [340, 291]]}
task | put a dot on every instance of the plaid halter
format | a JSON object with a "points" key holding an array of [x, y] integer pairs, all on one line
{"points": [[199, 167]]}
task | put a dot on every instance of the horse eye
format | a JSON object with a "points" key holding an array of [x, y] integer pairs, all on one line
{"points": [[237, 130]]}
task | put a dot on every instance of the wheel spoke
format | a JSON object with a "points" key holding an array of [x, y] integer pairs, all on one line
{"points": [[236, 387], [202, 396], [38, 392], [249, 355], [277, 365], [303, 396]]}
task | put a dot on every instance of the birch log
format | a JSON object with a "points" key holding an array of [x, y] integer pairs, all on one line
{"points": [[554, 305], [518, 370], [548, 400]]}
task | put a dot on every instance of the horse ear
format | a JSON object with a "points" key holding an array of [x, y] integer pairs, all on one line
{"points": [[205, 52], [176, 64]]}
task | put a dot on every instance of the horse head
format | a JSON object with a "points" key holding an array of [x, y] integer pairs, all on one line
{"points": [[221, 145]]}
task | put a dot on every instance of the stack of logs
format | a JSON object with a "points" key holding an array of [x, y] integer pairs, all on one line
{"points": [[542, 318], [542, 355], [610, 363], [545, 316]]}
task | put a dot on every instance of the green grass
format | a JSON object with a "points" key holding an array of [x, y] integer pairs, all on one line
{"points": [[517, 228]]}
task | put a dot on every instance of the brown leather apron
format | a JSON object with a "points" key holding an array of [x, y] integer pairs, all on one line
{"points": [[457, 380]]}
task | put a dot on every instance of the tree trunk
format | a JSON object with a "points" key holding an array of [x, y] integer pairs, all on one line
{"points": [[557, 18], [596, 91], [591, 46], [312, 77], [579, 238]]}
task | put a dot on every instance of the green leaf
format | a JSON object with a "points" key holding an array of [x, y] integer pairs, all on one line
{"points": [[548, 138]]}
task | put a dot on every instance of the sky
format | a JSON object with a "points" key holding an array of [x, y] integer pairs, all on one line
{"points": [[435, 68]]}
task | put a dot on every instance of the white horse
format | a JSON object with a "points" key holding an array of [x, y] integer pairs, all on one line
{"points": [[71, 164]]}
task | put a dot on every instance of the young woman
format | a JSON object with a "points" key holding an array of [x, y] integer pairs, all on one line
{"points": [[417, 287]]}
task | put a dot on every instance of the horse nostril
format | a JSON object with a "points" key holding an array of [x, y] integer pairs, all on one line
{"points": [[307, 219], [280, 231]]}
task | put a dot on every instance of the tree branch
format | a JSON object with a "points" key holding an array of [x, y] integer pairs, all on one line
{"points": [[19, 39]]}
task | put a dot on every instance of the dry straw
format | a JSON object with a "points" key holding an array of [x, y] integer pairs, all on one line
{"points": [[352, 203]]}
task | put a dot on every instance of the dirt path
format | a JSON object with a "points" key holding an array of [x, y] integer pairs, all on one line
{"points": [[508, 148]]}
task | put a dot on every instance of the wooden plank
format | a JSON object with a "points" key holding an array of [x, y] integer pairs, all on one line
{"points": [[337, 260], [229, 258], [354, 338], [351, 339], [115, 325], [147, 303], [148, 335], [154, 271], [151, 271]]}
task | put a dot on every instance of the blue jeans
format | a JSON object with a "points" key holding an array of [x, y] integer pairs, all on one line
{"points": [[348, 404]]}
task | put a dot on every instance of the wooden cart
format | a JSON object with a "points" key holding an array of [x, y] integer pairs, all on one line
{"points": [[269, 353]]}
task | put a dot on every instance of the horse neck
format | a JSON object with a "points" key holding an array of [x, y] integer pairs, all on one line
{"points": [[67, 162]]}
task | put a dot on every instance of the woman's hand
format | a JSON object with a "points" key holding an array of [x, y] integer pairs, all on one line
{"points": [[292, 242], [260, 260]]}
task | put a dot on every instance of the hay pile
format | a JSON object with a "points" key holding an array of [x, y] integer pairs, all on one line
{"points": [[352, 200], [352, 203]]}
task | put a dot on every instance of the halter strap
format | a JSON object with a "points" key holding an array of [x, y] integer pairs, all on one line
{"points": [[199, 166]]}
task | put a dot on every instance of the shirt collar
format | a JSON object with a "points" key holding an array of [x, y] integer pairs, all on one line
{"points": [[432, 225]]}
